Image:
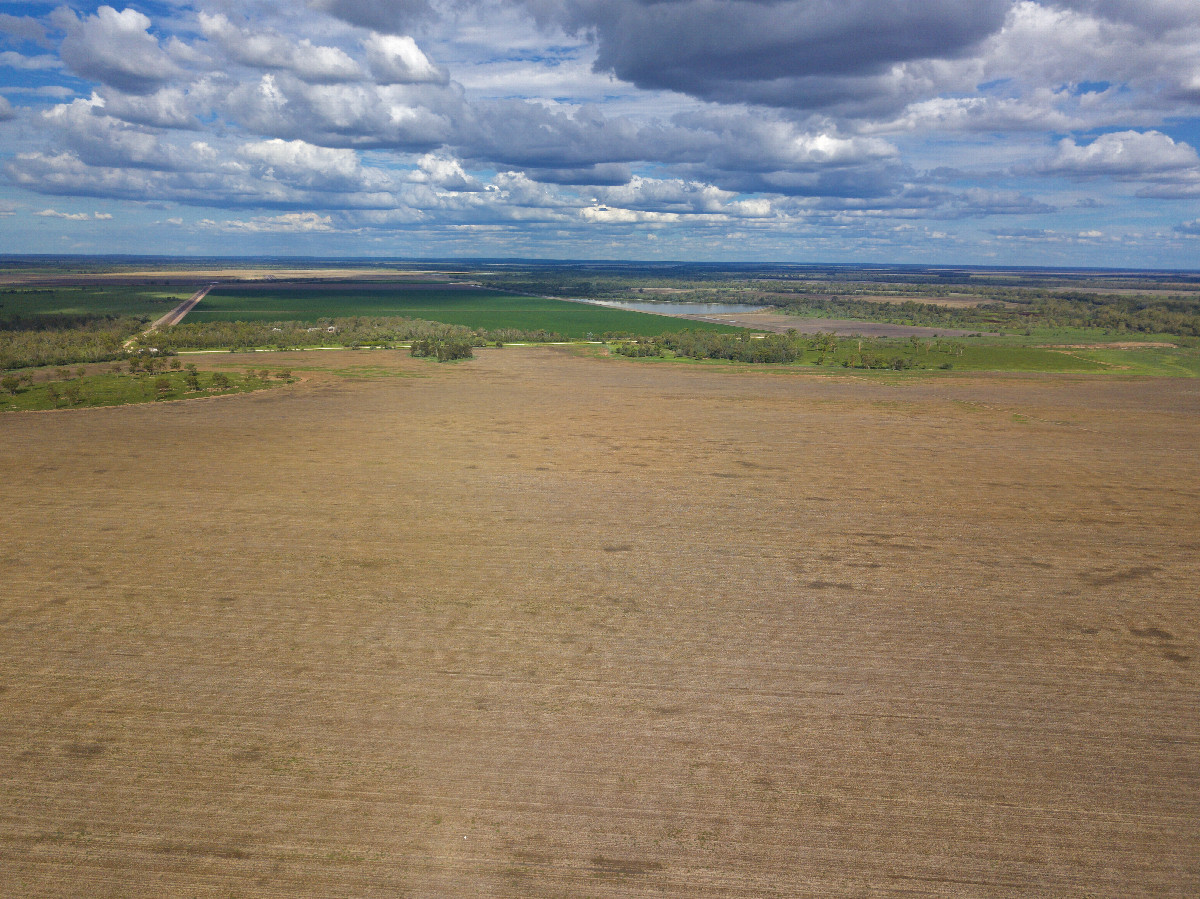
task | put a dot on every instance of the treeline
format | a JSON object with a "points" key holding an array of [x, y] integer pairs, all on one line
{"points": [[65, 340], [792, 347], [1112, 313], [351, 332]]}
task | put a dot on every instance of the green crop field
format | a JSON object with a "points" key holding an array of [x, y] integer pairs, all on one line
{"points": [[26, 302], [471, 307]]}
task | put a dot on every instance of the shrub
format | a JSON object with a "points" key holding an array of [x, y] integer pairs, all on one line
{"points": [[443, 349]]}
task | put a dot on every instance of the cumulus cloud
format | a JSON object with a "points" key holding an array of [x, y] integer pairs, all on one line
{"points": [[1123, 154], [417, 118], [115, 48], [783, 52], [1190, 229], [74, 216], [396, 59], [167, 107], [24, 28], [679, 197], [268, 49], [288, 223], [857, 117], [42, 62], [302, 165], [394, 16], [447, 174]]}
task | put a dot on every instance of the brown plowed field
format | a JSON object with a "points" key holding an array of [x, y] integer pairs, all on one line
{"points": [[538, 625]]}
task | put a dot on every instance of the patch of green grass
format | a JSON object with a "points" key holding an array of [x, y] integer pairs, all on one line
{"points": [[471, 307], [120, 389], [995, 357], [1179, 362], [29, 302]]}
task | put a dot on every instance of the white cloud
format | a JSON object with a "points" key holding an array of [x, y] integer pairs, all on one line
{"points": [[272, 50], [288, 223], [396, 59], [42, 62], [115, 48], [1124, 153], [70, 216], [609, 215], [447, 173]]}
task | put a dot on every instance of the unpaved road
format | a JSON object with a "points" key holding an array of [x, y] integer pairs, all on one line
{"points": [[175, 316]]}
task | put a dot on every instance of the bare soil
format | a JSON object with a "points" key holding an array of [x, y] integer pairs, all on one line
{"points": [[537, 625]]}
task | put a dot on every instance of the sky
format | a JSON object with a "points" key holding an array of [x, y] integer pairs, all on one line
{"points": [[984, 132]]}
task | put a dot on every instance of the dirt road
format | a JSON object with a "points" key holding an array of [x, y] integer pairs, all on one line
{"points": [[175, 316]]}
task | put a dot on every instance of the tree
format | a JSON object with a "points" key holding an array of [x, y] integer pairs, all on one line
{"points": [[163, 386], [10, 383], [220, 381]]}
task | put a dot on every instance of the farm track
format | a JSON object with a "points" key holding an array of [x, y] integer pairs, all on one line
{"points": [[536, 625], [175, 316]]}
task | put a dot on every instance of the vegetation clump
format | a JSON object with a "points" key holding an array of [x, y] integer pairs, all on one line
{"points": [[443, 349], [848, 352], [65, 389]]}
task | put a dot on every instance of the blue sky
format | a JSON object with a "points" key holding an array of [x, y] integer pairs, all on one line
{"points": [[946, 131]]}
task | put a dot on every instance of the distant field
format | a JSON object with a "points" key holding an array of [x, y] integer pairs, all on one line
{"points": [[21, 302], [471, 307]]}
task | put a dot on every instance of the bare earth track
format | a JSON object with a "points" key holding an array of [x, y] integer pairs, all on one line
{"points": [[538, 625], [176, 315]]}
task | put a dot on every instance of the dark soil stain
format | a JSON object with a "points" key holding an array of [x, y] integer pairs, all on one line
{"points": [[1151, 633], [602, 866], [201, 850], [829, 585], [86, 750], [618, 548], [1120, 576]]}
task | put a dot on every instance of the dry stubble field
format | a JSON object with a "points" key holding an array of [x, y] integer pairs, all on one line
{"points": [[539, 625]]}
